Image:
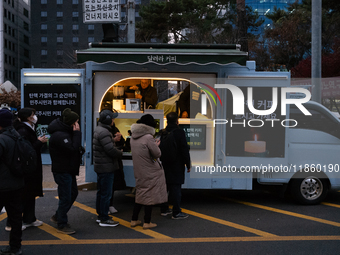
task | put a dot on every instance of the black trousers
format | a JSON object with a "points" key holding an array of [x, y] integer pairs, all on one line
{"points": [[28, 208], [12, 200], [147, 212], [175, 196]]}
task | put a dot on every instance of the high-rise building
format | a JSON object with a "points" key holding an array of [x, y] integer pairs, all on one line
{"points": [[266, 6], [14, 39], [58, 31]]}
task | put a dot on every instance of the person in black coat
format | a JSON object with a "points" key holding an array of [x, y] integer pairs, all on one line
{"points": [[11, 186], [25, 125], [65, 150], [174, 172]]}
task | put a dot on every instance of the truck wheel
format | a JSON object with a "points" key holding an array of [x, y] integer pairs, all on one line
{"points": [[309, 190]]}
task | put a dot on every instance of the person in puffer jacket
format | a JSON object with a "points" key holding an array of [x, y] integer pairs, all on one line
{"points": [[11, 186], [105, 158], [65, 150]]}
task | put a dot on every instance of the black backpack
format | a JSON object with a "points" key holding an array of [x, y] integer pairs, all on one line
{"points": [[24, 159], [168, 147]]}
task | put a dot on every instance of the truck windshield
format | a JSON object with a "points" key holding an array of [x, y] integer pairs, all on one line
{"points": [[316, 121]]}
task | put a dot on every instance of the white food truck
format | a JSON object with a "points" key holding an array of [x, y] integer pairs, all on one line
{"points": [[233, 140]]}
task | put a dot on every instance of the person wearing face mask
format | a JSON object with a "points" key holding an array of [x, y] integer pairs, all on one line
{"points": [[25, 125]]}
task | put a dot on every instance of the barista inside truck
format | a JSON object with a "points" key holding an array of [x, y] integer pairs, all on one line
{"points": [[148, 94]]}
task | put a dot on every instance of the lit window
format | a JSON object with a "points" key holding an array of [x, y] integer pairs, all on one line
{"points": [[75, 14], [60, 27], [90, 39], [75, 39], [59, 1], [43, 1], [74, 1], [43, 14], [43, 26], [43, 52], [60, 39], [90, 27], [75, 27], [60, 14], [43, 39]]}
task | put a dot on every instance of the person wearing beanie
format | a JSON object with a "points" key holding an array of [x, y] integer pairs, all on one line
{"points": [[174, 162], [69, 117], [11, 187], [106, 162], [148, 171], [66, 151]]}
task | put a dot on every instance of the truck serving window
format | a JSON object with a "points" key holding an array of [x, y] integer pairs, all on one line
{"points": [[316, 121]]}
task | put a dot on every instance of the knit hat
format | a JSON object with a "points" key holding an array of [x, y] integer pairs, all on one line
{"points": [[69, 117], [106, 116], [5, 118], [147, 119]]}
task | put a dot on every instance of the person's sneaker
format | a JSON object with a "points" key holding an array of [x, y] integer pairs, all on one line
{"points": [[9, 251], [36, 223], [98, 220], [149, 225], [67, 230], [112, 210], [135, 223], [108, 223], [54, 219], [8, 228], [180, 216], [168, 212]]}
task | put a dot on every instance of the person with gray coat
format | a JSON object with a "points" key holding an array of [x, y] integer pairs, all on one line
{"points": [[148, 171], [105, 157]]}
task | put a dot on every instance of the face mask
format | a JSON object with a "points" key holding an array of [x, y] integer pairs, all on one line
{"points": [[35, 119]]}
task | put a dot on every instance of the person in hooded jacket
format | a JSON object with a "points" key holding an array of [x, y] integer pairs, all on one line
{"points": [[106, 162], [25, 125], [65, 150], [11, 186], [148, 171]]}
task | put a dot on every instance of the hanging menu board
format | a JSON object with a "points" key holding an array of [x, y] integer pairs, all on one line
{"points": [[195, 135]]}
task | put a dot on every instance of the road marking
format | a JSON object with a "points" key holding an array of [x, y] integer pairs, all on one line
{"points": [[51, 230], [329, 204], [3, 216], [230, 224], [48, 229], [125, 223], [298, 215], [180, 240]]}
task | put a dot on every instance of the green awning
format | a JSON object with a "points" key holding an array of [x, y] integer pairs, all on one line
{"points": [[162, 54]]}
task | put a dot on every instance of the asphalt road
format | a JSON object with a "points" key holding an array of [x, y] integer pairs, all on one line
{"points": [[220, 222]]}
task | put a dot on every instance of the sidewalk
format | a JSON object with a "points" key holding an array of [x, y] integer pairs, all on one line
{"points": [[49, 184]]}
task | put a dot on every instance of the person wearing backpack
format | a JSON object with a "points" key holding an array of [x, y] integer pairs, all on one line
{"points": [[175, 157], [65, 150], [25, 125], [11, 186]]}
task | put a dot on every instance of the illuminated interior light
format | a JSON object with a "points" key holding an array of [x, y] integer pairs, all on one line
{"points": [[54, 74]]}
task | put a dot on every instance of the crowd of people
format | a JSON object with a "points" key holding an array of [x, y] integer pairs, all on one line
{"points": [[156, 183]]}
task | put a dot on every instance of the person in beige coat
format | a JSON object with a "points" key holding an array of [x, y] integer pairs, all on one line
{"points": [[148, 171]]}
